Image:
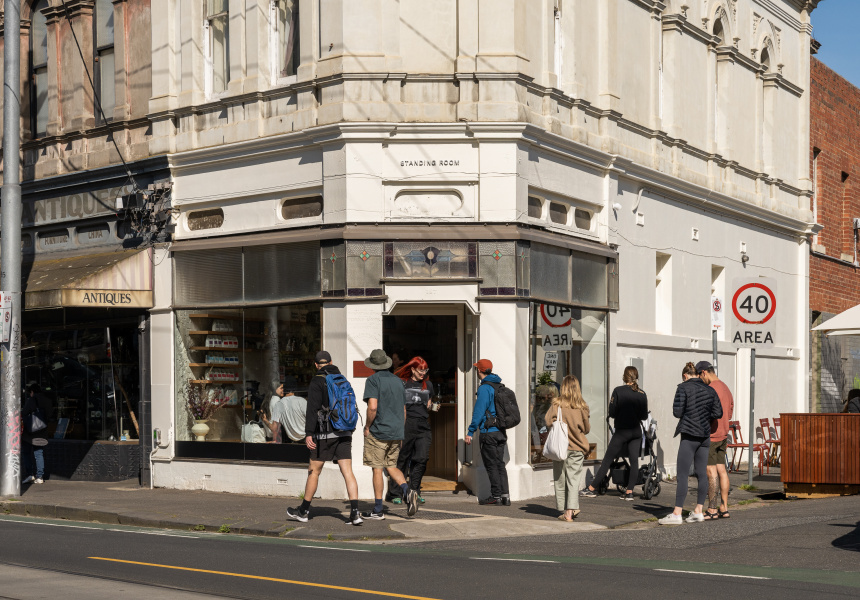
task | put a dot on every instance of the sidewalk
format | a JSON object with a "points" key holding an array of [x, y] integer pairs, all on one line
{"points": [[444, 516]]}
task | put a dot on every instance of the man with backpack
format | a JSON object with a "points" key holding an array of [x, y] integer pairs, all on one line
{"points": [[495, 411], [329, 423], [384, 431]]}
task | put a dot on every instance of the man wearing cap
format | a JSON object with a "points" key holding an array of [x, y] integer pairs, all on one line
{"points": [[718, 477], [384, 430], [493, 440], [333, 445]]}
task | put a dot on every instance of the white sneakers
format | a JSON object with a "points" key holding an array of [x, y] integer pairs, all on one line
{"points": [[673, 519]]}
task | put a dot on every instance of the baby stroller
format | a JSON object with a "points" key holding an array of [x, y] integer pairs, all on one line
{"points": [[619, 472]]}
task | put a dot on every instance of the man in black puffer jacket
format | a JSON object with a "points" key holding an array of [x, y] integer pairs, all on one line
{"points": [[696, 405]]}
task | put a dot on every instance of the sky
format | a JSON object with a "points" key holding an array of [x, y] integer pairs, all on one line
{"points": [[834, 25]]}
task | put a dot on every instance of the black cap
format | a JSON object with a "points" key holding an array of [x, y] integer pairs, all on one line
{"points": [[322, 356], [703, 365]]}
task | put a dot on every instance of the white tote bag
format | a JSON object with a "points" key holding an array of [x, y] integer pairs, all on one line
{"points": [[557, 440]]}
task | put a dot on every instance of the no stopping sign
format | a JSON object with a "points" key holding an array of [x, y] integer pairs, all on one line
{"points": [[754, 309]]}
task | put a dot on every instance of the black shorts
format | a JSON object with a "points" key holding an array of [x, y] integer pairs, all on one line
{"points": [[335, 449]]}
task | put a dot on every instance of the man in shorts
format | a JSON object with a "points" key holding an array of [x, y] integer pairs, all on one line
{"points": [[383, 433], [718, 477], [331, 446]]}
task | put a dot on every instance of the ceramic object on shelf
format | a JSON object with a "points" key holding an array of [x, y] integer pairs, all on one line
{"points": [[200, 430]]}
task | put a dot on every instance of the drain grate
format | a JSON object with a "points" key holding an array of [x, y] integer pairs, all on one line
{"points": [[426, 515]]}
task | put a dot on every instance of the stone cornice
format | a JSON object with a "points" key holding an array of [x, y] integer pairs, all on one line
{"points": [[70, 136], [681, 24], [779, 12], [655, 6], [583, 154]]}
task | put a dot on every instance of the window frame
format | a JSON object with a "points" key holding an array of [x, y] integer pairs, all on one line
{"points": [[208, 50], [98, 52], [37, 69], [277, 68]]}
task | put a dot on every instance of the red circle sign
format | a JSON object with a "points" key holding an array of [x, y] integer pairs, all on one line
{"points": [[770, 304], [555, 319], [718, 306]]}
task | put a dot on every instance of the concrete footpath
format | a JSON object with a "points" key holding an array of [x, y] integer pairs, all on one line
{"points": [[444, 516]]}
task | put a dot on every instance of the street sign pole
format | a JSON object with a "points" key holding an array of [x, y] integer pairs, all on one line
{"points": [[714, 344], [752, 417], [10, 254]]}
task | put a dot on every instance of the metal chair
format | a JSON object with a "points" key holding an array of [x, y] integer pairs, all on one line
{"points": [[738, 446]]}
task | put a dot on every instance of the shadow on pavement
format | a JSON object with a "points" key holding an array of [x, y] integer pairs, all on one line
{"points": [[538, 509], [850, 541]]}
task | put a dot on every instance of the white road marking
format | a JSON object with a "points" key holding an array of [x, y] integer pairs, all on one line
{"points": [[714, 574], [330, 548], [43, 524], [515, 559]]}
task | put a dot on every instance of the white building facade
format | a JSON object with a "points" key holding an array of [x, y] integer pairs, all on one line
{"points": [[557, 185]]}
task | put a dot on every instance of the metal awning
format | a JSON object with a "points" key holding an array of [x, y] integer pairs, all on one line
{"points": [[845, 323], [119, 279]]}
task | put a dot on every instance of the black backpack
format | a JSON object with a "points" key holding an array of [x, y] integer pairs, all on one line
{"points": [[507, 411]]}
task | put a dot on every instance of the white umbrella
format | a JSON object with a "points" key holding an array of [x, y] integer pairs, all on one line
{"points": [[845, 323]]}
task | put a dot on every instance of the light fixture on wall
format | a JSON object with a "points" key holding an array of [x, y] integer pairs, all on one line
{"points": [[744, 258]]}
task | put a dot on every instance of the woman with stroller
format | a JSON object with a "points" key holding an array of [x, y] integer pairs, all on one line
{"points": [[628, 405], [415, 451], [566, 473], [696, 405]]}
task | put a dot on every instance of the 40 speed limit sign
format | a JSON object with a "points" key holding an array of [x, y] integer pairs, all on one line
{"points": [[753, 307]]}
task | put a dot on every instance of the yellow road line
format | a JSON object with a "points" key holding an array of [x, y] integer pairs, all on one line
{"points": [[307, 583]]}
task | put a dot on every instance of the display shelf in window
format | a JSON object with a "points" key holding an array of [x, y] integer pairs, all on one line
{"points": [[222, 365], [226, 317], [235, 333], [217, 349]]}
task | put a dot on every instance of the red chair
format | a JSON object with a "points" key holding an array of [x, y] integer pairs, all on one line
{"points": [[738, 446], [770, 435]]}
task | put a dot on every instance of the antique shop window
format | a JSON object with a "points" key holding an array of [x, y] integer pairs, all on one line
{"points": [[217, 27], [91, 376], [287, 32], [228, 365], [103, 48], [567, 341], [39, 70], [431, 260]]}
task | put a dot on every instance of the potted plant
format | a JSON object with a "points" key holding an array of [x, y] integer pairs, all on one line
{"points": [[201, 408]]}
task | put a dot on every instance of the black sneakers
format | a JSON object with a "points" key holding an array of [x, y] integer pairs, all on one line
{"points": [[506, 500], [297, 514], [374, 516], [355, 518], [491, 500]]}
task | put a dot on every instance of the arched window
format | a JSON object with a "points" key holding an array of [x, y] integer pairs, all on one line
{"points": [[39, 70], [104, 58], [287, 56], [765, 59], [719, 32]]}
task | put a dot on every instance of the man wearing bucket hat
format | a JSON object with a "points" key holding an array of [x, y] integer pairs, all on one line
{"points": [[384, 430]]}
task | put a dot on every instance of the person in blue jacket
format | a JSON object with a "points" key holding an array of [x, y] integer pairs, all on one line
{"points": [[493, 440]]}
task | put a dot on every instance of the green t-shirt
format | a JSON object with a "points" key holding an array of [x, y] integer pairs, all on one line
{"points": [[387, 388]]}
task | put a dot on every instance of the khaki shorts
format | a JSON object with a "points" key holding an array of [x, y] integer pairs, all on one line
{"points": [[717, 453], [380, 454]]}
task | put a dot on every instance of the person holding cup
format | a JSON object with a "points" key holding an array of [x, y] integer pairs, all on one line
{"points": [[415, 451]]}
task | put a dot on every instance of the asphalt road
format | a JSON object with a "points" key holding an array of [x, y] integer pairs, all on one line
{"points": [[790, 550]]}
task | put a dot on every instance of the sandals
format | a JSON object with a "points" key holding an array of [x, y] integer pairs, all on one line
{"points": [[723, 514], [711, 516], [561, 517]]}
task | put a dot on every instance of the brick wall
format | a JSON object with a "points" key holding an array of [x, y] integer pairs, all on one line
{"points": [[834, 283], [835, 137]]}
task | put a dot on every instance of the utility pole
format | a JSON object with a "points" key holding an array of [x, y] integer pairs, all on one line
{"points": [[10, 254]]}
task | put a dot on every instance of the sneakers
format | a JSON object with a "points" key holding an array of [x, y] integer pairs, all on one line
{"points": [[297, 514], [411, 503], [696, 518], [587, 493], [490, 500], [38, 480], [628, 497], [355, 518], [397, 500], [671, 519], [506, 500], [374, 516], [421, 499], [29, 479]]}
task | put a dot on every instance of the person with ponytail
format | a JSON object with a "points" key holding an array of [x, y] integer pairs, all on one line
{"points": [[628, 406], [415, 451]]}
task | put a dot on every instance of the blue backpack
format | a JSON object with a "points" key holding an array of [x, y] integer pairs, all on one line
{"points": [[342, 414]]}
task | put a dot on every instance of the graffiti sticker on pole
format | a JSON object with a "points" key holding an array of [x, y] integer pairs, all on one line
{"points": [[754, 310], [5, 316]]}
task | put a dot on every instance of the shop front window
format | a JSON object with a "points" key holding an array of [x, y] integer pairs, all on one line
{"points": [[229, 364], [91, 376], [567, 341]]}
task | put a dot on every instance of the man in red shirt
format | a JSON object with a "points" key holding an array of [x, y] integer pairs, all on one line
{"points": [[718, 477]]}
